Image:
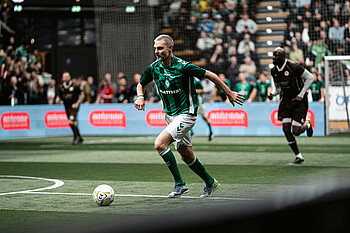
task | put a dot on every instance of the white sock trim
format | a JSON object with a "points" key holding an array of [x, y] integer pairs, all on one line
{"points": [[191, 163], [164, 152]]}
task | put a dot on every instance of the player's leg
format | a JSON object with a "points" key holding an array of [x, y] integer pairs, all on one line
{"points": [[299, 116], [287, 130], [72, 121], [161, 144]]}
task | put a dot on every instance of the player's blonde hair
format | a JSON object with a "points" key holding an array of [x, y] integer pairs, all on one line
{"points": [[166, 38]]}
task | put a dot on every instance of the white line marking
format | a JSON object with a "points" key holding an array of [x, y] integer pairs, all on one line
{"points": [[150, 196], [58, 183]]}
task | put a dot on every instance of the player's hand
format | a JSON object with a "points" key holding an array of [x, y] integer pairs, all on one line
{"points": [[75, 106], [140, 104], [270, 96], [298, 98], [236, 97]]}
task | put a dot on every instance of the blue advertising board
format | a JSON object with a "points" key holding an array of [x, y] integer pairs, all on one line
{"points": [[254, 119]]}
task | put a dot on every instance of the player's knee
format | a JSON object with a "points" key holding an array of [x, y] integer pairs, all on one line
{"points": [[159, 146], [296, 131]]}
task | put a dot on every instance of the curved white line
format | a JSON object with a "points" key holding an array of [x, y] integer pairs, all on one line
{"points": [[58, 183]]}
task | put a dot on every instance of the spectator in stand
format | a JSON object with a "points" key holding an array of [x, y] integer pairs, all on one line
{"points": [[296, 55], [205, 44], [243, 86], [228, 36], [347, 37], [173, 13], [246, 41], [319, 50], [191, 33], [206, 24], [245, 21], [23, 51], [133, 91], [3, 36], [85, 89], [289, 34], [248, 69], [346, 11], [298, 40], [231, 6], [232, 48], [217, 61], [336, 35], [35, 88], [222, 11], [317, 88], [14, 92], [232, 71], [232, 21], [152, 95], [218, 95], [262, 87], [123, 92], [305, 34], [51, 92], [219, 25], [93, 89], [105, 94]]}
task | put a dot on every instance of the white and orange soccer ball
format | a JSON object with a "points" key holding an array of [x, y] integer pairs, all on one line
{"points": [[103, 195]]}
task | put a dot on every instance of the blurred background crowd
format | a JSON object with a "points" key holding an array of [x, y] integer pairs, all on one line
{"points": [[219, 34]]}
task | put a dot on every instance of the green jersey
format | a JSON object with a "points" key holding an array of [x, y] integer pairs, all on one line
{"points": [[198, 85], [175, 85], [262, 88], [316, 90], [243, 88]]}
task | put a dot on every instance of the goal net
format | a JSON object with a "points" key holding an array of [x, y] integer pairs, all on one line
{"points": [[337, 93], [124, 36]]}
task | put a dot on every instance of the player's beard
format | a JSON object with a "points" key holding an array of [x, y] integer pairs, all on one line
{"points": [[162, 57]]}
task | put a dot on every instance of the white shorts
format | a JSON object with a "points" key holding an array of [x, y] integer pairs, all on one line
{"points": [[179, 128]]}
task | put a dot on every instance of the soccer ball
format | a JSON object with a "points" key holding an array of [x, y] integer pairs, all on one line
{"points": [[103, 195]]}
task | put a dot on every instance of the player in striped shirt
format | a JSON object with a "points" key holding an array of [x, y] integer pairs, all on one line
{"points": [[175, 83]]}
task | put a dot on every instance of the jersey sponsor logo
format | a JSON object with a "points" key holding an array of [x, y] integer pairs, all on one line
{"points": [[166, 92], [15, 121], [156, 118], [56, 119], [228, 118], [107, 118], [274, 118]]}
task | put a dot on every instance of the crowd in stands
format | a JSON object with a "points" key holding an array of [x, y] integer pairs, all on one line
{"points": [[224, 31]]}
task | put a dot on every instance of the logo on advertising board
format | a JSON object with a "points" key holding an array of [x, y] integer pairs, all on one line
{"points": [[15, 121], [56, 119], [155, 118], [108, 118], [274, 118], [228, 118]]}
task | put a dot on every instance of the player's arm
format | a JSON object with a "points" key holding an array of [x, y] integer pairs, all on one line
{"points": [[80, 99], [269, 89], [308, 80], [234, 97], [276, 92], [140, 101]]}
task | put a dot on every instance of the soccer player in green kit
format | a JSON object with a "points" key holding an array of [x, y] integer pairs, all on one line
{"points": [[174, 80]]}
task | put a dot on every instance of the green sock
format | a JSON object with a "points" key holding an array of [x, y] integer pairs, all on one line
{"points": [[199, 169], [170, 161], [210, 131]]}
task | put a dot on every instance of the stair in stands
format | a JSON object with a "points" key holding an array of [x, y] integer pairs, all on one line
{"points": [[271, 27]]}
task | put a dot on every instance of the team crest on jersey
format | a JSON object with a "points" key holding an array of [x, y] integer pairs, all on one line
{"points": [[286, 73]]}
